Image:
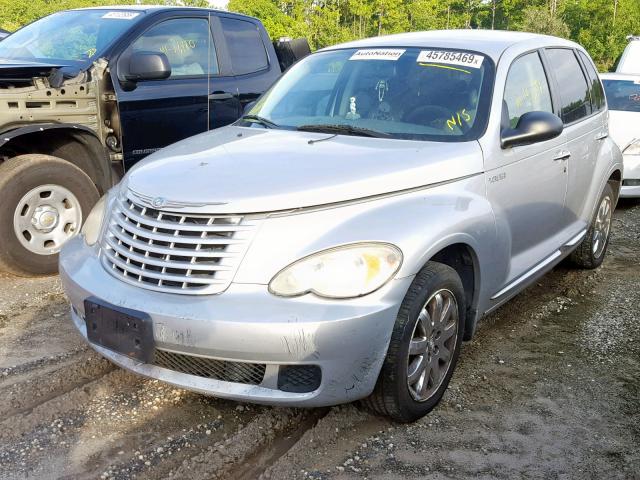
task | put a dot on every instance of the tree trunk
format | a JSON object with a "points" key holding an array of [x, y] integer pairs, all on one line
{"points": [[493, 14]]}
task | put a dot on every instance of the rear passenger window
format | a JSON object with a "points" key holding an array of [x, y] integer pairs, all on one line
{"points": [[597, 94], [572, 86], [245, 45], [526, 89], [187, 44]]}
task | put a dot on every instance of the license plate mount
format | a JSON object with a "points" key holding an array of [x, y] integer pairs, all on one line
{"points": [[119, 329]]}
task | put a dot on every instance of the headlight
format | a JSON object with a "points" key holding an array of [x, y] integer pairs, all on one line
{"points": [[93, 223], [343, 272], [633, 148]]}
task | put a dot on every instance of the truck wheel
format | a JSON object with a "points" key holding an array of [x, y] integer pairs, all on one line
{"points": [[424, 347], [591, 251], [44, 200]]}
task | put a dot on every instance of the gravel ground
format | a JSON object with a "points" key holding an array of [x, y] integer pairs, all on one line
{"points": [[548, 388]]}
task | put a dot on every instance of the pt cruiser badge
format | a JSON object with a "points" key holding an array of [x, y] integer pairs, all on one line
{"points": [[352, 268]]}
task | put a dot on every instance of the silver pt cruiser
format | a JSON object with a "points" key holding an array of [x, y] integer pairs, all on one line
{"points": [[346, 235]]}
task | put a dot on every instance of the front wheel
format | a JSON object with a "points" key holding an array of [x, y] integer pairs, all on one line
{"points": [[44, 201], [591, 251], [424, 347]]}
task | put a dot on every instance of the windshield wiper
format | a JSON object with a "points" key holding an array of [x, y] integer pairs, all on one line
{"points": [[261, 120], [344, 129]]}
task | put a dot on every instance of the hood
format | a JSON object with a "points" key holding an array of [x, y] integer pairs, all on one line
{"points": [[249, 170], [623, 127], [21, 68], [22, 73]]}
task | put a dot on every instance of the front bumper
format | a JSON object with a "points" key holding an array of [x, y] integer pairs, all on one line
{"points": [[631, 174], [346, 339]]}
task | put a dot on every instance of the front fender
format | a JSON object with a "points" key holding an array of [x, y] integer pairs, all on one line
{"points": [[75, 143], [7, 136], [420, 223]]}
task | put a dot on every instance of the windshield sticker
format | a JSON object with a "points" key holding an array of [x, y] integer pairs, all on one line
{"points": [[121, 15], [378, 54], [439, 57]]}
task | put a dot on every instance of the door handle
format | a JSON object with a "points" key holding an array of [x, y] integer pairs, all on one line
{"points": [[221, 96], [602, 135], [562, 155]]}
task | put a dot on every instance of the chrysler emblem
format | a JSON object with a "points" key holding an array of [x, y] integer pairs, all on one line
{"points": [[159, 202]]}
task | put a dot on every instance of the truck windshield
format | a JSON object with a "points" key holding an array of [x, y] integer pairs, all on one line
{"points": [[70, 38], [405, 93], [623, 95]]}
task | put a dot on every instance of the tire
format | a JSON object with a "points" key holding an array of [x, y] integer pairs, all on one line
{"points": [[394, 394], [591, 251], [44, 199]]}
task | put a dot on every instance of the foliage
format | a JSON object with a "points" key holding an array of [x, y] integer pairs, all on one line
{"points": [[541, 20], [600, 25]]}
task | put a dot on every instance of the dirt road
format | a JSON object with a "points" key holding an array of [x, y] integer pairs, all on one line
{"points": [[549, 388]]}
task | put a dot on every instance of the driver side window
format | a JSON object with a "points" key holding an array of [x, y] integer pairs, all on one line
{"points": [[186, 42], [526, 90]]}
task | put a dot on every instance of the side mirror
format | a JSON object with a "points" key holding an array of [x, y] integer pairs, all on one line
{"points": [[247, 108], [147, 66], [532, 127]]}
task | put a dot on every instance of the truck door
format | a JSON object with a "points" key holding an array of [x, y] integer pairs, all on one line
{"points": [[156, 113], [246, 46]]}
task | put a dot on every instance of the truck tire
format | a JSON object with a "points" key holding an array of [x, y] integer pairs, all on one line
{"points": [[591, 251], [424, 347], [44, 201]]}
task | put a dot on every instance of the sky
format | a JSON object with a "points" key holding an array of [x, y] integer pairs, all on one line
{"points": [[219, 3]]}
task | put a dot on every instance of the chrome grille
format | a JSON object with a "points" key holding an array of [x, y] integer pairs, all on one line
{"points": [[172, 251]]}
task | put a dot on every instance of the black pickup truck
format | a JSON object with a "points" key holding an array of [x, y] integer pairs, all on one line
{"points": [[85, 94]]}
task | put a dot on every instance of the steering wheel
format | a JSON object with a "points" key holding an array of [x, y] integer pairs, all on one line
{"points": [[434, 116]]}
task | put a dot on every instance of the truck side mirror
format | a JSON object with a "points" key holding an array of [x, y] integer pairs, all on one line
{"points": [[147, 66], [532, 127], [247, 108]]}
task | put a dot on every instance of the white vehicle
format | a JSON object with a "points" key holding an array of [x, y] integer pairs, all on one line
{"points": [[343, 237], [630, 59], [623, 97]]}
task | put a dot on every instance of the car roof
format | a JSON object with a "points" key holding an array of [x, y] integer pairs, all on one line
{"points": [[160, 8], [142, 8], [620, 76], [489, 42]]}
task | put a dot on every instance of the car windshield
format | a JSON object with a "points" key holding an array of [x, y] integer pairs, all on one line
{"points": [[71, 38], [623, 95], [406, 93]]}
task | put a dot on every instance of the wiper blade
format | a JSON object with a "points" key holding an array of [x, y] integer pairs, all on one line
{"points": [[261, 120], [344, 129]]}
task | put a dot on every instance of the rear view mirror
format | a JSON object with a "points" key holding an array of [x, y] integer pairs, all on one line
{"points": [[532, 127], [147, 66]]}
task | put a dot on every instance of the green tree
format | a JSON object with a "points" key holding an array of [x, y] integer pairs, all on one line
{"points": [[599, 25], [541, 20]]}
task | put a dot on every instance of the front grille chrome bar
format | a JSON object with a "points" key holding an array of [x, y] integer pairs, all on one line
{"points": [[175, 252]]}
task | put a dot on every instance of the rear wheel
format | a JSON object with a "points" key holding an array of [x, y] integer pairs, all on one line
{"points": [[44, 201], [424, 347], [591, 251]]}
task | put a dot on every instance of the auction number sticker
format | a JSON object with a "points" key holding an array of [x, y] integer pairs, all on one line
{"points": [[464, 59], [378, 54], [121, 15]]}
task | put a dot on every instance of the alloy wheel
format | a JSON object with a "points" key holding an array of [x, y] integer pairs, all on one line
{"points": [[432, 345], [602, 226]]}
